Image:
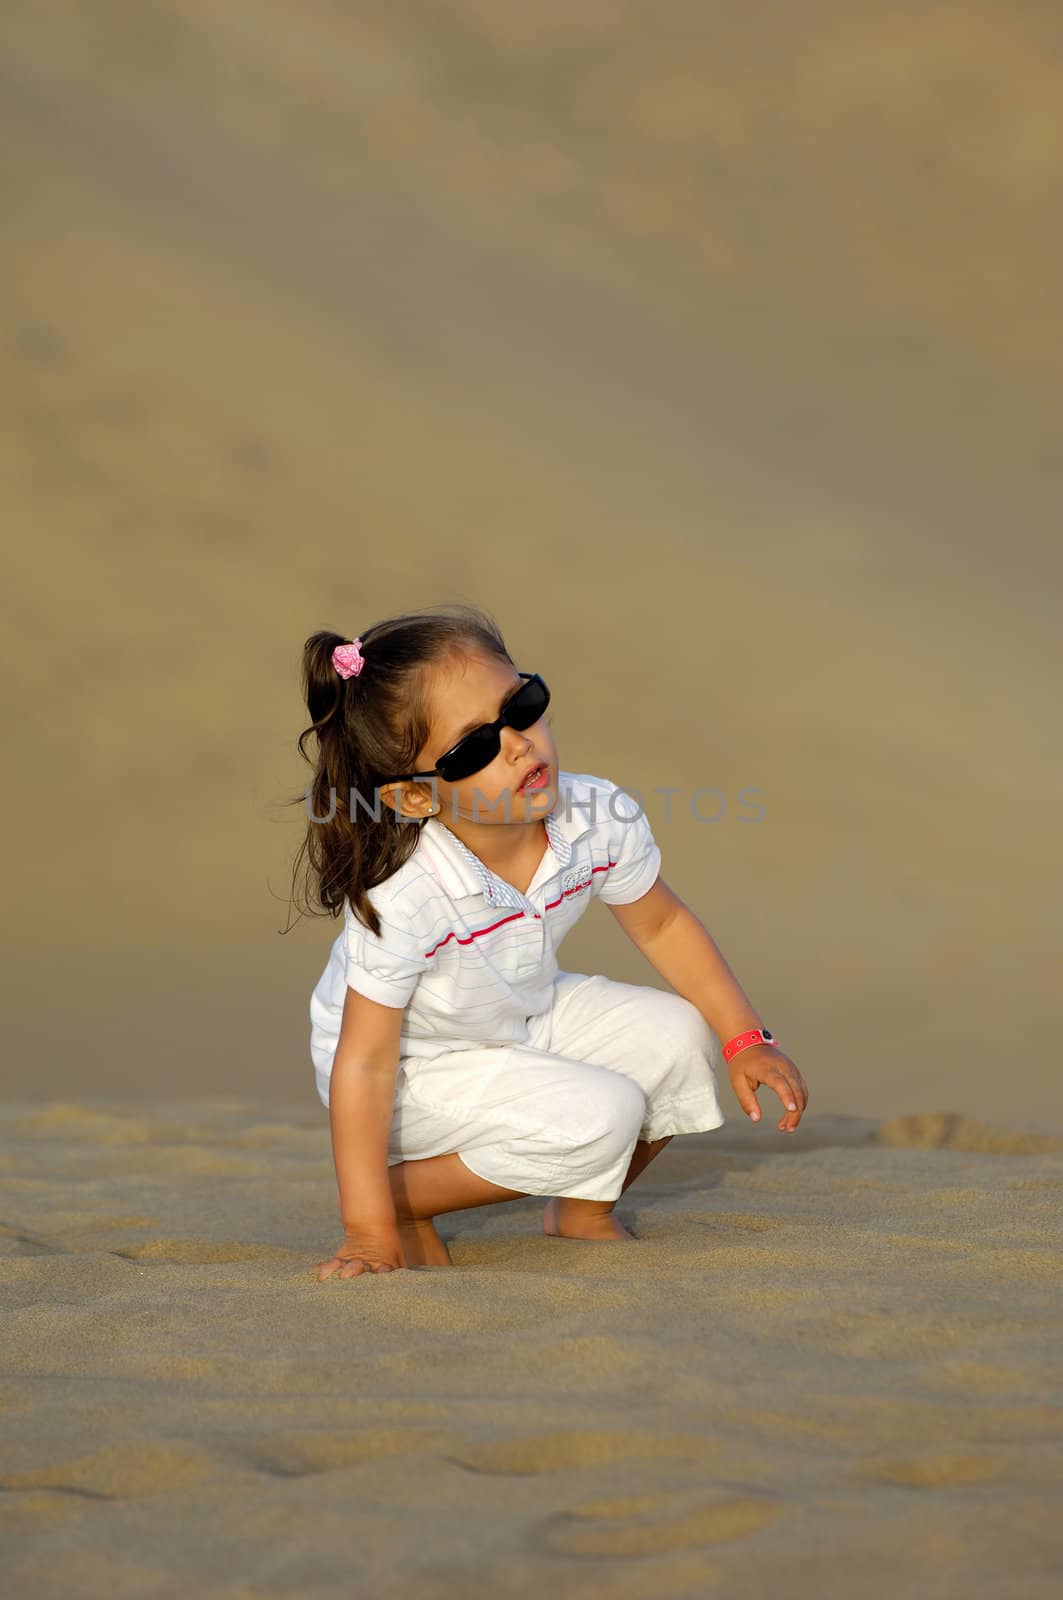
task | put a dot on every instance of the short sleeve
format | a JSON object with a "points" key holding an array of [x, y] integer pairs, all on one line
{"points": [[636, 853], [384, 967]]}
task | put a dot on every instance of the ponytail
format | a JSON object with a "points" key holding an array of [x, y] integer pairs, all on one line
{"points": [[369, 725]]}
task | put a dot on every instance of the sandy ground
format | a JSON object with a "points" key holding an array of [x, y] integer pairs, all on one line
{"points": [[825, 1369]]}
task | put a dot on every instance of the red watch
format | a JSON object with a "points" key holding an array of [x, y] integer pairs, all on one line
{"points": [[742, 1041]]}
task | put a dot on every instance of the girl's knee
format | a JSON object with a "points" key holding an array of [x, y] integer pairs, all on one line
{"points": [[591, 1133], [615, 1115], [686, 1030]]}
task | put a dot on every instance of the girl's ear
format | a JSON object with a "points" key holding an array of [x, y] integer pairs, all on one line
{"points": [[410, 799], [391, 795]]}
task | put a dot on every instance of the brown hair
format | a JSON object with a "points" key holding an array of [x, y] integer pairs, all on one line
{"points": [[368, 728]]}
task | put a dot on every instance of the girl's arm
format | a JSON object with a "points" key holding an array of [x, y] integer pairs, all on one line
{"points": [[683, 951], [361, 1106]]}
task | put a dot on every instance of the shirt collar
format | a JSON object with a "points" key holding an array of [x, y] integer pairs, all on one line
{"points": [[460, 872]]}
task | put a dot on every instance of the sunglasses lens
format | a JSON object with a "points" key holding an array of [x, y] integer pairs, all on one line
{"points": [[528, 704], [478, 749]]}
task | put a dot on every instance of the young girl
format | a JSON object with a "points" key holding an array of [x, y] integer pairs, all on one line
{"points": [[459, 1065]]}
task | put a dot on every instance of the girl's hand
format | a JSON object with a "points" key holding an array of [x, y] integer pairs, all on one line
{"points": [[766, 1063], [362, 1253]]}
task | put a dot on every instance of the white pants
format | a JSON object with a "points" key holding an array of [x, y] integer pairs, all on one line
{"points": [[608, 1064]]}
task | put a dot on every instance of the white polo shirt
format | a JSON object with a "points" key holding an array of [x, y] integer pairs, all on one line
{"points": [[467, 957]]}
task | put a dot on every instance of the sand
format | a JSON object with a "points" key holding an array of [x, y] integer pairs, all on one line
{"points": [[827, 1365]]}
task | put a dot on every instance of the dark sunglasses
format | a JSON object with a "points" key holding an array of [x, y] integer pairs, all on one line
{"points": [[480, 747]]}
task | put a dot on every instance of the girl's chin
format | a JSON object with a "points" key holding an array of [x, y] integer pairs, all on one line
{"points": [[534, 802]]}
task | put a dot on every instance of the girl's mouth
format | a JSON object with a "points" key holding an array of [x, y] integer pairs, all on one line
{"points": [[536, 780]]}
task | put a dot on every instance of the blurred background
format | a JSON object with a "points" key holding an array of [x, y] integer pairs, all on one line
{"points": [[715, 349]]}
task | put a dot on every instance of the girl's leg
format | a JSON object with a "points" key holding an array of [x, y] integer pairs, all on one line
{"points": [[650, 1035], [593, 1219], [644, 1154], [425, 1189], [519, 1116], [659, 1040]]}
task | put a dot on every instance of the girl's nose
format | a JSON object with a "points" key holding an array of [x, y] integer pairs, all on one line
{"points": [[515, 743]]}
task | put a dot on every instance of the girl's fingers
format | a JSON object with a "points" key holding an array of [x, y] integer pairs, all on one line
{"points": [[355, 1268], [348, 1267], [790, 1087], [338, 1268], [777, 1079], [746, 1096], [784, 1079]]}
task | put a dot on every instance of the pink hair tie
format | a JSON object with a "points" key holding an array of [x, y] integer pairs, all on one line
{"points": [[348, 659]]}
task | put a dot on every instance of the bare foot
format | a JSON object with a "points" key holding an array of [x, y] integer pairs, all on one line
{"points": [[565, 1218], [421, 1244]]}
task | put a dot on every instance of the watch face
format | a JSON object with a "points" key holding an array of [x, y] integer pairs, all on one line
{"points": [[768, 1034]]}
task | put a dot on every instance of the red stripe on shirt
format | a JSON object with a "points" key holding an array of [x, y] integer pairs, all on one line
{"points": [[514, 916], [476, 933]]}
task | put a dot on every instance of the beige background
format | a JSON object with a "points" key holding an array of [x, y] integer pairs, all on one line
{"points": [[718, 355]]}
